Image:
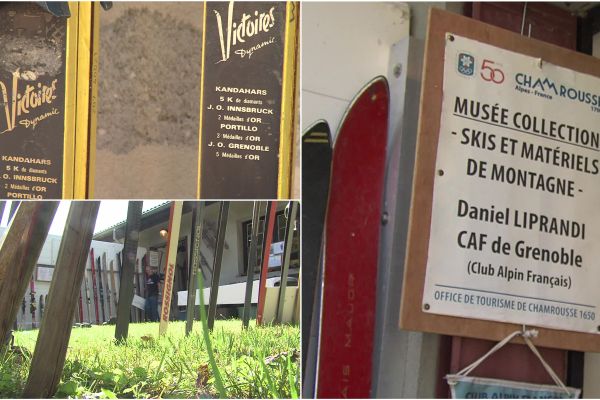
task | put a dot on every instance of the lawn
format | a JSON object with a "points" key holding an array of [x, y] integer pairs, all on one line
{"points": [[260, 362]]}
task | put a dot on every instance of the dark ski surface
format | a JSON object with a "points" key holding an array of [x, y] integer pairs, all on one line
{"points": [[316, 171]]}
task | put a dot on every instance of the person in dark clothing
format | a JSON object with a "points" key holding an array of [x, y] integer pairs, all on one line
{"points": [[153, 282]]}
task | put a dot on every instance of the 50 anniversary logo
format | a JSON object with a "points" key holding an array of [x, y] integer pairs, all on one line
{"points": [[17, 103]]}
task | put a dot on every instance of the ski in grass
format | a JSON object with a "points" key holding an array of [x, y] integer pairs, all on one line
{"points": [[94, 288], [87, 297], [100, 287], [316, 170], [106, 285], [351, 246], [113, 283], [32, 303], [172, 245], [80, 308], [138, 287]]}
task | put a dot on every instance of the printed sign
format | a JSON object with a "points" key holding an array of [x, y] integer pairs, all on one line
{"points": [[154, 258], [138, 302], [32, 102], [515, 198], [44, 274], [466, 387], [242, 99]]}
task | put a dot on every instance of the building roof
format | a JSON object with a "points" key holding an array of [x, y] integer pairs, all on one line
{"points": [[152, 217]]}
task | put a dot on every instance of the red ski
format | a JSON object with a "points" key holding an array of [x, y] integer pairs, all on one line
{"points": [[94, 287], [351, 246]]}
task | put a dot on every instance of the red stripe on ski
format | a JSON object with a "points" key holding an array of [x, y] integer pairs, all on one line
{"points": [[351, 247], [262, 287]]}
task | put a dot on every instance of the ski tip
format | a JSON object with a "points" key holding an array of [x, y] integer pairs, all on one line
{"points": [[317, 132], [377, 89]]}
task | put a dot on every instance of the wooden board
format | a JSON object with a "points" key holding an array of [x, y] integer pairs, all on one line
{"points": [[411, 315]]}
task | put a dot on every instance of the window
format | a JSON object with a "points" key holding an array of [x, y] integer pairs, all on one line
{"points": [[278, 236]]}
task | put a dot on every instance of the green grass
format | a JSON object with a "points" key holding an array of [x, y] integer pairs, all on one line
{"points": [[173, 366]]}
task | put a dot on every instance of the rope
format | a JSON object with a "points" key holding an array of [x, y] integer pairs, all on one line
{"points": [[527, 335]]}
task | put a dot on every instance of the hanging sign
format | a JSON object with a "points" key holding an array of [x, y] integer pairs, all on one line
{"points": [[504, 216], [467, 387], [247, 99]]}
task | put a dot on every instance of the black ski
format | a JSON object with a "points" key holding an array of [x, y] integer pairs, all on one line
{"points": [[316, 171]]}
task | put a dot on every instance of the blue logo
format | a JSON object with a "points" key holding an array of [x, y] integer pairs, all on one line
{"points": [[466, 64]]}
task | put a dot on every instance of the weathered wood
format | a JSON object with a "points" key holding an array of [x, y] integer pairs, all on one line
{"points": [[51, 346], [13, 208], [172, 245], [268, 234], [132, 234], [216, 272], [19, 251], [258, 205], [197, 219], [287, 252]]}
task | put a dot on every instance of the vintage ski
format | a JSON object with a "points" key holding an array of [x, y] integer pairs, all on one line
{"points": [[351, 246], [80, 306], [41, 307], [87, 297], [100, 288], [94, 292], [136, 288], [107, 285], [115, 291], [172, 244], [32, 303], [316, 170]]}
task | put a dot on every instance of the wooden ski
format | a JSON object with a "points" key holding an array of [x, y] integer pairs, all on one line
{"points": [[94, 292], [316, 172], [351, 246], [172, 243]]}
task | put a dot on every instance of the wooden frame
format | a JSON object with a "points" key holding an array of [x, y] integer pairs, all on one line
{"points": [[81, 92], [411, 315]]}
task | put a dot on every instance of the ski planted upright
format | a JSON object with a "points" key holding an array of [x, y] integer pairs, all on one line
{"points": [[351, 246], [87, 297], [113, 283], [101, 288], [32, 303], [316, 171], [94, 287], [107, 285]]}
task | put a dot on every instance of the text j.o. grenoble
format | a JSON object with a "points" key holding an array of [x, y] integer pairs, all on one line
{"points": [[238, 32]]}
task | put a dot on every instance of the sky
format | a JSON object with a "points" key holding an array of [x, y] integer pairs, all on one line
{"points": [[111, 212]]}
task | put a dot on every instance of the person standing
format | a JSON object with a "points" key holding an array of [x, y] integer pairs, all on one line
{"points": [[153, 282]]}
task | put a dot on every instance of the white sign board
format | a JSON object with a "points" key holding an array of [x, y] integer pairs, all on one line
{"points": [[516, 215], [44, 274], [154, 258], [276, 248], [138, 302]]}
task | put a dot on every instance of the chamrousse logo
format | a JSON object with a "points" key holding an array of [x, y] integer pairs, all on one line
{"points": [[234, 34], [466, 64], [546, 87]]}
